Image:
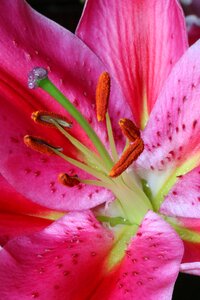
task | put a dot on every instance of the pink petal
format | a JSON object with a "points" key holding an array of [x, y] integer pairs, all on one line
{"points": [[184, 198], [64, 261], [13, 202], [75, 70], [150, 267], [191, 258], [172, 134], [12, 225], [35, 175], [139, 42], [191, 268]]}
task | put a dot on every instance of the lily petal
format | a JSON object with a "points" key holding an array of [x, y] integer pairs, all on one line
{"points": [[171, 137], [188, 229], [191, 258], [12, 225], [62, 260], [150, 267], [13, 202], [191, 268], [75, 70], [139, 42], [181, 200]]}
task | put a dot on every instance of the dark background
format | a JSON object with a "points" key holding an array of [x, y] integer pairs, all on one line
{"points": [[67, 13]]}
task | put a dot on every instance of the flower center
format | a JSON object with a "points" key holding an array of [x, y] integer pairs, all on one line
{"points": [[131, 202]]}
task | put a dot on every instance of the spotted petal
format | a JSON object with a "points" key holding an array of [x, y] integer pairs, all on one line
{"points": [[61, 260], [171, 137], [184, 198], [150, 267], [139, 42], [75, 70]]}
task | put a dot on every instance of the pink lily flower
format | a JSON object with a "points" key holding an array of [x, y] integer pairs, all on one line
{"points": [[128, 245]]}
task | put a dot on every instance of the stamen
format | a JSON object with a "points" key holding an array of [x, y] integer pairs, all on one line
{"points": [[129, 129], [127, 158], [47, 119], [90, 156], [40, 145], [40, 78], [102, 95], [67, 180], [111, 138], [35, 76]]}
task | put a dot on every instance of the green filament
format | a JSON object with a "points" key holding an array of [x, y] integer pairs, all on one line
{"points": [[111, 138], [52, 90]]}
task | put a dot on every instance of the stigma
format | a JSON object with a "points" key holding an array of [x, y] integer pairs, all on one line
{"points": [[34, 77]]}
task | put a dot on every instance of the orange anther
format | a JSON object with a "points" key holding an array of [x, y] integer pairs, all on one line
{"points": [[102, 95], [46, 118], [39, 145], [127, 158], [129, 129]]}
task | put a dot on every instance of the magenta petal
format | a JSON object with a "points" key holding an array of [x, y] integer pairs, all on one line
{"points": [[172, 133], [150, 267], [13, 202], [139, 42], [184, 198], [75, 70], [64, 261], [35, 175], [12, 225]]}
